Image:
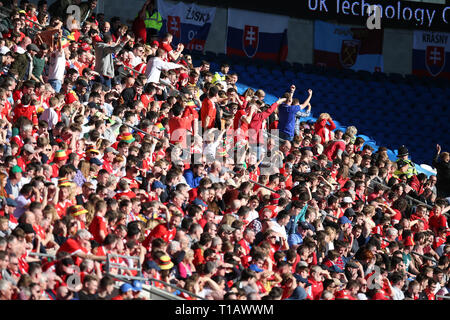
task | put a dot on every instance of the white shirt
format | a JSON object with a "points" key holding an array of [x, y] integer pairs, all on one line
{"points": [[50, 116], [57, 66], [22, 202], [398, 294], [136, 61], [155, 66]]}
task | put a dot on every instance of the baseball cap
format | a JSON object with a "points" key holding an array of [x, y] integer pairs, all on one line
{"points": [[126, 287], [255, 268], [28, 148], [137, 285], [11, 202], [352, 264], [82, 82], [305, 225], [349, 212], [152, 265], [112, 150], [67, 261], [298, 294], [344, 220], [95, 161], [27, 228], [157, 185], [347, 200], [227, 228], [93, 105], [32, 47], [402, 163]]}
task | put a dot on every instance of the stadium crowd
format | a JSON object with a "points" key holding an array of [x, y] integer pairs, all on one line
{"points": [[113, 142]]}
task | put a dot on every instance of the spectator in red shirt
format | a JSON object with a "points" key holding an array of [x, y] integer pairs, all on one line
{"points": [[165, 231], [208, 110], [179, 126], [24, 109], [171, 55], [323, 127], [77, 247]]}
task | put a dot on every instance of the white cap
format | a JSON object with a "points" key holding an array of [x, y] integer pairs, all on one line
{"points": [[347, 200]]}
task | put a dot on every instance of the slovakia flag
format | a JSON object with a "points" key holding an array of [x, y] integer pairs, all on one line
{"points": [[257, 35], [431, 54]]}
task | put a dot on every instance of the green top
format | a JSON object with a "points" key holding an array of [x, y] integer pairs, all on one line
{"points": [[38, 66]]}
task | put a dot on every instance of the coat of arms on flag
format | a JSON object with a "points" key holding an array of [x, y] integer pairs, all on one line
{"points": [[435, 59], [250, 39], [349, 52]]}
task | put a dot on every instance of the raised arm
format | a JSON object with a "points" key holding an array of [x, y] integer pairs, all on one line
{"points": [[306, 103]]}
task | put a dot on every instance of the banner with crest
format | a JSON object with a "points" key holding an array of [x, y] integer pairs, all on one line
{"points": [[431, 54], [257, 35], [344, 47]]}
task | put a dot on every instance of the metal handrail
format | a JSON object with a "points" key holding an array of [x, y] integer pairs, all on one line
{"points": [[131, 278], [424, 257], [42, 255]]}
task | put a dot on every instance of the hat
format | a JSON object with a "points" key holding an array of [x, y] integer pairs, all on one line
{"points": [[11, 202], [157, 185], [155, 43], [402, 151], [183, 76], [298, 294], [126, 287], [301, 264], [344, 220], [304, 225], [60, 155], [93, 105], [126, 136], [165, 263], [299, 278], [152, 265], [347, 200], [402, 163], [93, 150], [85, 47], [352, 264], [78, 210], [221, 152], [274, 198], [95, 161], [16, 169], [255, 268], [343, 294], [32, 47], [227, 228], [27, 228], [64, 182], [67, 261], [110, 149], [231, 182], [349, 212], [82, 82], [137, 285], [28, 148]]}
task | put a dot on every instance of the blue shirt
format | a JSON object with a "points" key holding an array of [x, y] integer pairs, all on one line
{"points": [[295, 239], [286, 114], [192, 181]]}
